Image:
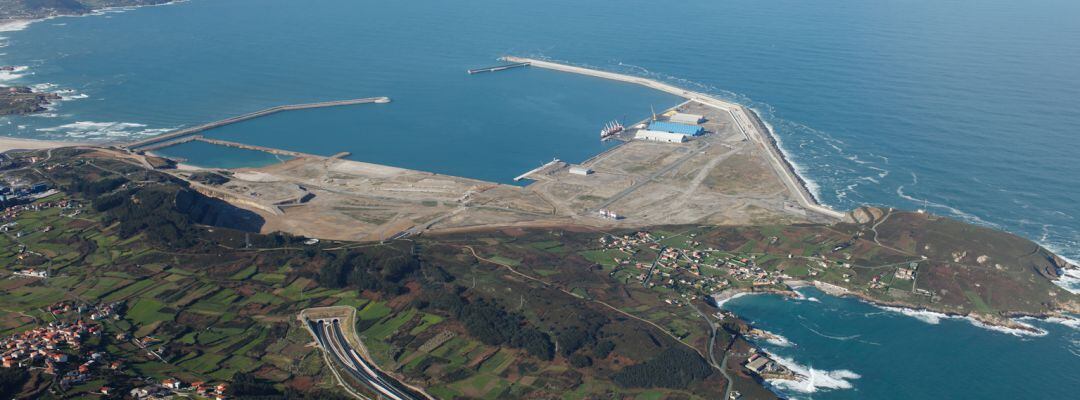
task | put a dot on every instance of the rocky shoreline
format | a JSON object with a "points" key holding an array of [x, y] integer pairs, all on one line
{"points": [[21, 100], [756, 120], [18, 12]]}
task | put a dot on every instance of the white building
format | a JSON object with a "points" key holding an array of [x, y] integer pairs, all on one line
{"points": [[657, 136], [579, 170], [690, 119]]}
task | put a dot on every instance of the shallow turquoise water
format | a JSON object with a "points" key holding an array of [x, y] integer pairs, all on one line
{"points": [[208, 155], [965, 108]]}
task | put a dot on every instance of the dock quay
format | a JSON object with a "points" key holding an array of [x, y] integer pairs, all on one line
{"points": [[497, 68], [240, 118], [537, 169], [168, 143], [270, 150], [745, 119]]}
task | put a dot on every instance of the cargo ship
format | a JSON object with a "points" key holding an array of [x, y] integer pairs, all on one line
{"points": [[610, 129]]}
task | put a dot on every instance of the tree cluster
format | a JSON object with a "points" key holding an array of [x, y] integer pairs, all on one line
{"points": [[367, 271], [491, 324], [676, 367], [98, 187], [150, 210], [246, 386]]}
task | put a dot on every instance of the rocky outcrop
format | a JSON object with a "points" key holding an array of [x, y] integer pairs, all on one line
{"points": [[22, 100]]}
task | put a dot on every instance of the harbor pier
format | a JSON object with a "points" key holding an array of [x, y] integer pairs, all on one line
{"points": [[497, 68], [265, 149], [537, 169]]}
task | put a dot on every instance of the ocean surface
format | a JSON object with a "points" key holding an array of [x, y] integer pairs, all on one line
{"points": [[849, 349], [964, 108]]}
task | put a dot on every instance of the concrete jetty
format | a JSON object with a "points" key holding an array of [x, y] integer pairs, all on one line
{"points": [[497, 68], [270, 150], [746, 120], [168, 143], [537, 169], [232, 120]]}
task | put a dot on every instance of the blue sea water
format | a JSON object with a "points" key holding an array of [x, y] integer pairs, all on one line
{"points": [[849, 349], [965, 108]]}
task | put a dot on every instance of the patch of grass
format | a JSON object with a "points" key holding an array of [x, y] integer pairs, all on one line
{"points": [[383, 329], [505, 260], [146, 311], [373, 311], [244, 273]]}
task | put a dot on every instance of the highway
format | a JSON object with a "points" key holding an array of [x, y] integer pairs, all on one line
{"points": [[328, 334]]}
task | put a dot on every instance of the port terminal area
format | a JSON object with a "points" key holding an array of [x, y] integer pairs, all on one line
{"points": [[720, 177]]}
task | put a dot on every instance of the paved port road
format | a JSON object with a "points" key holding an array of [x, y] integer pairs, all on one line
{"points": [[329, 336]]}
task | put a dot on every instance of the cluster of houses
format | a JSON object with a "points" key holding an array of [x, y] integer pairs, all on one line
{"points": [[170, 387], [672, 261], [11, 213], [44, 345], [96, 312], [33, 273], [23, 190]]}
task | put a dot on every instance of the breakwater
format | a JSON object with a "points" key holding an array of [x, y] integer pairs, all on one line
{"points": [[240, 118], [746, 120], [537, 169], [270, 150], [497, 68]]}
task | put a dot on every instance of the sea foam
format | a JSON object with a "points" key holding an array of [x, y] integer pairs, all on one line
{"points": [[13, 74], [934, 318], [102, 130], [811, 379]]}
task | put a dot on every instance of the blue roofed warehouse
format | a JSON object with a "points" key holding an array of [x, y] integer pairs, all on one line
{"points": [[672, 127]]}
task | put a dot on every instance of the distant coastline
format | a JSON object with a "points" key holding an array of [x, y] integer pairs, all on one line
{"points": [[19, 19]]}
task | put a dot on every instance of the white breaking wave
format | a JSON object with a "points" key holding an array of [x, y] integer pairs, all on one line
{"points": [[811, 185], [70, 94], [934, 318], [811, 379], [720, 304], [930, 317], [103, 130], [813, 299], [43, 87], [778, 340], [1070, 278], [16, 25], [954, 211], [840, 338], [1072, 323], [13, 74]]}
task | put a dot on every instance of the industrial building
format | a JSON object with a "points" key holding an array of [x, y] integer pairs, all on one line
{"points": [[672, 127], [658, 136], [579, 170], [690, 119]]}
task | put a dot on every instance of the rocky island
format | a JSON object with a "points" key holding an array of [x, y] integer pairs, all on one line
{"points": [[21, 100]]}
